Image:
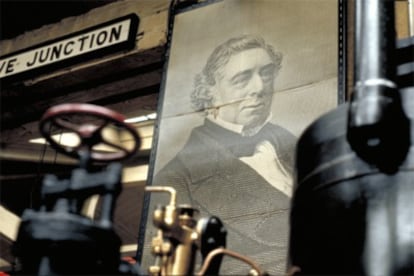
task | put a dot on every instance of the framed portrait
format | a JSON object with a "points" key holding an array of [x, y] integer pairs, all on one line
{"points": [[242, 81]]}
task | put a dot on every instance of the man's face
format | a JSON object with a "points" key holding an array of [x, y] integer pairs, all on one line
{"points": [[244, 88]]}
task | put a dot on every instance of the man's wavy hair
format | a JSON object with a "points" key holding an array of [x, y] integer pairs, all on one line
{"points": [[201, 97]]}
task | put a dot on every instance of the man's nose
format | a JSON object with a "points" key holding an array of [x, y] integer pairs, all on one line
{"points": [[256, 85]]}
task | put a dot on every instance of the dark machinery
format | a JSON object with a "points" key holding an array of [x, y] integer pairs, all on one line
{"points": [[353, 207], [58, 239]]}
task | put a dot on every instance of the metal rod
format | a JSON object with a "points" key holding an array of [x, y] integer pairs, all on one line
{"points": [[411, 17], [376, 104], [374, 44]]}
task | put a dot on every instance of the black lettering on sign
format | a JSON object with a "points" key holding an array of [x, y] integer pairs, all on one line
{"points": [[82, 40], [2, 65], [56, 50], [31, 63], [100, 39], [115, 33], [8, 65], [44, 55], [68, 48], [91, 41]]}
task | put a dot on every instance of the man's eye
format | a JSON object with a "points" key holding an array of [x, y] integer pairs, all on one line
{"points": [[241, 80], [267, 73]]}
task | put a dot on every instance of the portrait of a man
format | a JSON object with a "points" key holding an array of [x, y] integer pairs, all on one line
{"points": [[237, 162], [231, 114]]}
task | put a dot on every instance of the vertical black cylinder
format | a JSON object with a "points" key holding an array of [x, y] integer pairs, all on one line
{"points": [[376, 104], [375, 39], [353, 205]]}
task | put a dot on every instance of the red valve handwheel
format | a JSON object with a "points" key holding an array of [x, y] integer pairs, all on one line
{"points": [[89, 133]]}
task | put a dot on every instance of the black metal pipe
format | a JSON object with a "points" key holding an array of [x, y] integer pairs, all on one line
{"points": [[376, 43], [376, 117]]}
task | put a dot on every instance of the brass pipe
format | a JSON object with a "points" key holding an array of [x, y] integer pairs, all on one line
{"points": [[224, 251], [170, 190]]}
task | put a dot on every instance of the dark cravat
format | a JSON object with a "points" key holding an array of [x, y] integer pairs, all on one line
{"points": [[236, 143]]}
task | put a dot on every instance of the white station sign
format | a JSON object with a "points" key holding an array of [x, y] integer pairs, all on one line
{"points": [[100, 38]]}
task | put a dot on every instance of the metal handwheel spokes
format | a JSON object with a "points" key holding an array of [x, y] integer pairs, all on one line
{"points": [[76, 128]]}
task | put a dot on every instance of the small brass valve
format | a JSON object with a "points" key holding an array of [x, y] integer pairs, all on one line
{"points": [[180, 234]]}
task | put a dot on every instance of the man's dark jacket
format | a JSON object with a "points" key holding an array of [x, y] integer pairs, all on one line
{"points": [[208, 174]]}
